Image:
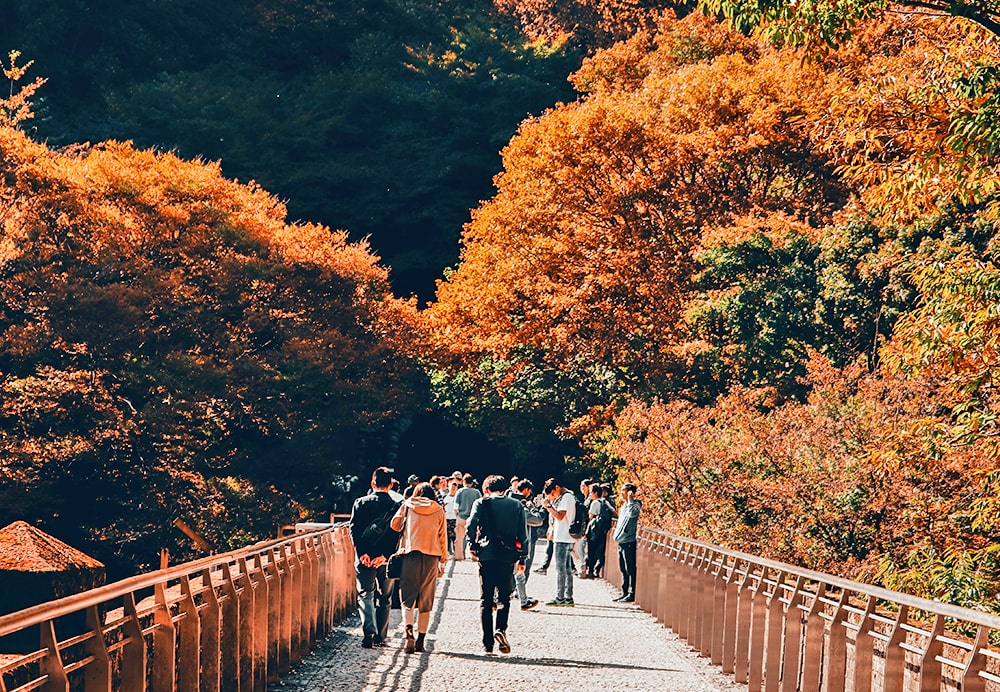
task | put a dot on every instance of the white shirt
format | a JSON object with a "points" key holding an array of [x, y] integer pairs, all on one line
{"points": [[449, 507], [560, 527]]}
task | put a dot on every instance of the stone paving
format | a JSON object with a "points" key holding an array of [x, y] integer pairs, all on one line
{"points": [[597, 645]]}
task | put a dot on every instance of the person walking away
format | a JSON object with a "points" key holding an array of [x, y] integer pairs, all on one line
{"points": [[533, 519], [464, 499], [499, 540], [374, 541], [597, 532], [449, 515], [561, 506], [424, 550], [625, 535]]}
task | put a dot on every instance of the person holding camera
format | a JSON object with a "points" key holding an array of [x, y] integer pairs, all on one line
{"points": [[561, 506], [499, 539], [626, 535]]}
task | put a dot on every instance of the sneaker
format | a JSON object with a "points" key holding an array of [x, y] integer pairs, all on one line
{"points": [[378, 641], [418, 646], [368, 641], [488, 650], [554, 602], [566, 603], [529, 604], [502, 642], [628, 599], [541, 570], [411, 643]]}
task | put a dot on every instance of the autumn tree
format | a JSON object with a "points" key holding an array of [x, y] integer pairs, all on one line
{"points": [[585, 255], [172, 346]]}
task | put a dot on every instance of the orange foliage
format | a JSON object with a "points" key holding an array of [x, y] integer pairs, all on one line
{"points": [[585, 251]]}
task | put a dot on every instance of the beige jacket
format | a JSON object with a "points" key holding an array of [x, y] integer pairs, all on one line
{"points": [[424, 529]]}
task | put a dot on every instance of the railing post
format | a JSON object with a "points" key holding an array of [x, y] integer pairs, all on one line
{"points": [[792, 647], [164, 674], [836, 672], [286, 573], [758, 627], [730, 631], [744, 625], [261, 624], [815, 631], [229, 632], [666, 596], [930, 666], [133, 665], [275, 631], [98, 675], [971, 682], [189, 636], [719, 584], [247, 612], [864, 649], [895, 656], [210, 644], [52, 665], [775, 630]]}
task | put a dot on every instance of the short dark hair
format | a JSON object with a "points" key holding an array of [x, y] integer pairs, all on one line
{"points": [[468, 479], [550, 485], [629, 486], [434, 481], [382, 477], [495, 483], [424, 490], [525, 484], [587, 482], [605, 490]]}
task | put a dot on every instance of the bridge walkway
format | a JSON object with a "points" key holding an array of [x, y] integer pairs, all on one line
{"points": [[596, 645]]}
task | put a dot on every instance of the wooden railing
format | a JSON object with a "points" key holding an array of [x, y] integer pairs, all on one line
{"points": [[228, 622], [779, 627]]}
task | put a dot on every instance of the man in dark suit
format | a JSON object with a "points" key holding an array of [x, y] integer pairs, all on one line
{"points": [[499, 538]]}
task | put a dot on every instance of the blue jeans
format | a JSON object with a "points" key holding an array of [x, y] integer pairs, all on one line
{"points": [[562, 556], [521, 580], [373, 599]]}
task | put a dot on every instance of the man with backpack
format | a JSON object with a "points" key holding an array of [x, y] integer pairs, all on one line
{"points": [[498, 537], [374, 541], [561, 506], [600, 513]]}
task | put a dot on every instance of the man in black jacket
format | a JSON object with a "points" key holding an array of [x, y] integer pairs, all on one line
{"points": [[499, 538], [374, 541]]}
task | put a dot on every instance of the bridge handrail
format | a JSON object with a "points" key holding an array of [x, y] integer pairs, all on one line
{"points": [[232, 622], [51, 610], [948, 610], [778, 626]]}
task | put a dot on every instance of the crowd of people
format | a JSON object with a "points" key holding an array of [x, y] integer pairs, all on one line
{"points": [[404, 538]]}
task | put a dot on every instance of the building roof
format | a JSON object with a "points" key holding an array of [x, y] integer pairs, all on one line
{"points": [[25, 548]]}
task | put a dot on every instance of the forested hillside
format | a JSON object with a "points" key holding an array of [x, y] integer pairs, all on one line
{"points": [[381, 118], [745, 257]]}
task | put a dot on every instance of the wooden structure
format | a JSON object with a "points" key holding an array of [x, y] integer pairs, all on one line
{"points": [[780, 628], [229, 622]]}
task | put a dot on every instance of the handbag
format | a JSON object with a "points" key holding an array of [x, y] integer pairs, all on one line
{"points": [[394, 567]]}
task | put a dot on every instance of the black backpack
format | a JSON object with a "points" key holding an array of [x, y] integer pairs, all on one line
{"points": [[578, 527]]}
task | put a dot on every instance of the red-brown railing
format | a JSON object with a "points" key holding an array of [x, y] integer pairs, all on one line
{"points": [[230, 622], [782, 628]]}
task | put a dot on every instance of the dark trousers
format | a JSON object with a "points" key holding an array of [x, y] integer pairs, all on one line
{"points": [[626, 561], [596, 546], [548, 555], [496, 579]]}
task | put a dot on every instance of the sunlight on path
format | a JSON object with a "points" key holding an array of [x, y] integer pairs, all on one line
{"points": [[596, 645]]}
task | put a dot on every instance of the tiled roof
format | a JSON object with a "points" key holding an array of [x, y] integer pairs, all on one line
{"points": [[25, 548]]}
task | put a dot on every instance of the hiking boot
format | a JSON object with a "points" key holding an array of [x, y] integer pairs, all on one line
{"points": [[502, 642], [411, 643], [529, 604]]}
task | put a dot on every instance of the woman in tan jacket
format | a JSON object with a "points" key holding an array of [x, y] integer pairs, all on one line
{"points": [[424, 547]]}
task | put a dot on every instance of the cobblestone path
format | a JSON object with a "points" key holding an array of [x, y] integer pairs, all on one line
{"points": [[597, 645]]}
